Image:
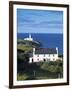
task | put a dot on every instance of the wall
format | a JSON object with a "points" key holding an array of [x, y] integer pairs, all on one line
{"points": [[4, 44]]}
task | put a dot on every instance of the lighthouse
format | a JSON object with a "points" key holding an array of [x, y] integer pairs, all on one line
{"points": [[29, 38]]}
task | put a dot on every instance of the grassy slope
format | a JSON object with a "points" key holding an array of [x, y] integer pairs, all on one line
{"points": [[34, 71], [24, 48]]}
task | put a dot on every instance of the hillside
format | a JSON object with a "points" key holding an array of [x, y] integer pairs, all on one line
{"points": [[28, 43], [35, 71]]}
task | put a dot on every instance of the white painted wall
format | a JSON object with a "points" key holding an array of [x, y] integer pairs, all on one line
{"points": [[4, 45], [41, 57]]}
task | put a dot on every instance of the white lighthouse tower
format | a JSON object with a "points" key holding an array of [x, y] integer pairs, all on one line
{"points": [[29, 38]]}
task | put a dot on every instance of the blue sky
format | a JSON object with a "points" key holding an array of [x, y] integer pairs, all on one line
{"points": [[39, 21]]}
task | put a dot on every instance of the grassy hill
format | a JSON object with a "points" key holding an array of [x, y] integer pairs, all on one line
{"points": [[29, 43], [35, 71], [24, 47], [40, 70]]}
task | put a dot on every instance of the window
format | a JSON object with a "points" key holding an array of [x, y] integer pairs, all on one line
{"points": [[53, 55], [44, 60], [32, 59], [49, 55], [53, 59], [48, 59], [44, 55]]}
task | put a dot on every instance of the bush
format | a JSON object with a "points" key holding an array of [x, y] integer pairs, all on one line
{"points": [[44, 66]]}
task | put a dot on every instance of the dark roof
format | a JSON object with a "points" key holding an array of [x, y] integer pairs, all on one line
{"points": [[45, 51]]}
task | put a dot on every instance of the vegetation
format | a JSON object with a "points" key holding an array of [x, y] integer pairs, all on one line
{"points": [[24, 48], [39, 70], [29, 43]]}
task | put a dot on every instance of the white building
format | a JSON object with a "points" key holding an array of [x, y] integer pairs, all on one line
{"points": [[44, 54], [29, 38]]}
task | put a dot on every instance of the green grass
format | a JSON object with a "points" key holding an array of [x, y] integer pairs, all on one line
{"points": [[37, 71], [22, 76], [24, 48], [38, 75]]}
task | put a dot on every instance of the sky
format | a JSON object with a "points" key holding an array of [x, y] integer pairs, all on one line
{"points": [[39, 21]]}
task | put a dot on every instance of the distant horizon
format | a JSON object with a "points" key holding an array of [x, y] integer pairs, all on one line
{"points": [[46, 40]]}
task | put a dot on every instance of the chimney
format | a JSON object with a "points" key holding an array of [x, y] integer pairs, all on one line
{"points": [[57, 49], [33, 51]]}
